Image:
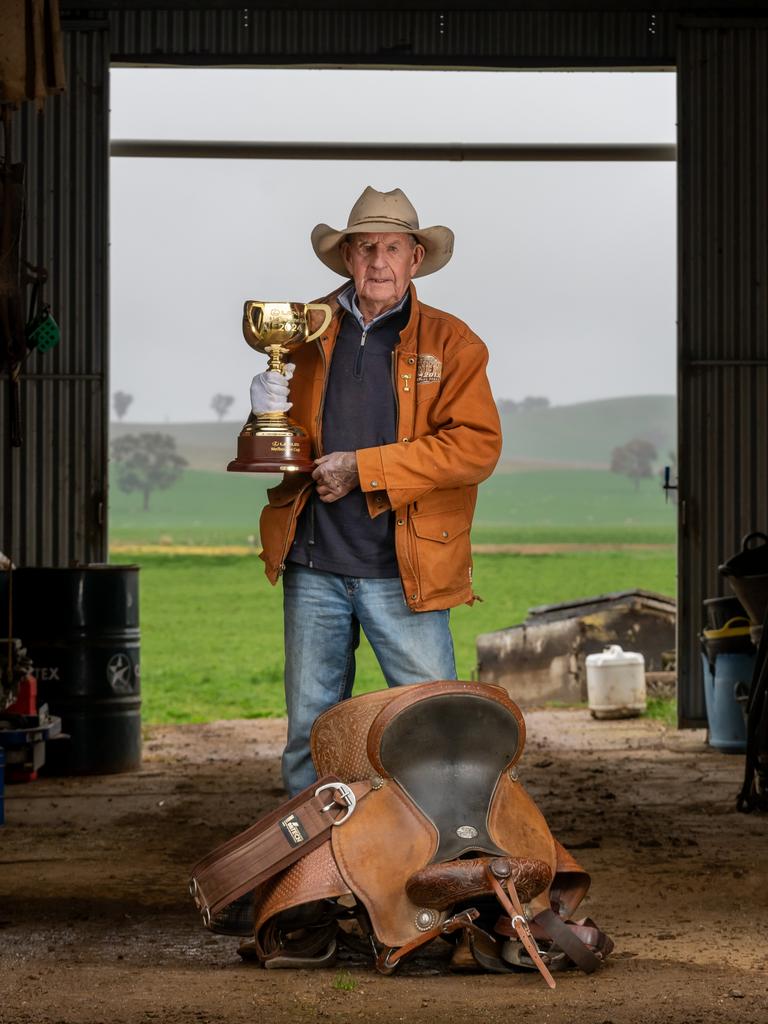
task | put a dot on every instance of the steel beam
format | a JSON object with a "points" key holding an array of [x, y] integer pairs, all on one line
{"points": [[488, 152]]}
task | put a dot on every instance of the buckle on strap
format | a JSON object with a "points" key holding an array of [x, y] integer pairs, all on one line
{"points": [[343, 797], [526, 927], [197, 895]]}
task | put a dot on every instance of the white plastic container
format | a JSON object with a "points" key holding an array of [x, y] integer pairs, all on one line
{"points": [[616, 683]]}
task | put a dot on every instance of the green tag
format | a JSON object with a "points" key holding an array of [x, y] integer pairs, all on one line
{"points": [[43, 333]]}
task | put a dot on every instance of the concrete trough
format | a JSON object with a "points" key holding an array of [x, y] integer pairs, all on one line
{"points": [[544, 658]]}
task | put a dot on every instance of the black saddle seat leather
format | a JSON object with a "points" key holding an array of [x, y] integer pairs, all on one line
{"points": [[447, 753]]}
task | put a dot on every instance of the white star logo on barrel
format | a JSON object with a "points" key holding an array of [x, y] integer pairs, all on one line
{"points": [[119, 673]]}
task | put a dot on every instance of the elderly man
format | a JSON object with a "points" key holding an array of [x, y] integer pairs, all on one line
{"points": [[404, 426]]}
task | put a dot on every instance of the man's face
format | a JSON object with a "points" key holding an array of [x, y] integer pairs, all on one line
{"points": [[381, 266]]}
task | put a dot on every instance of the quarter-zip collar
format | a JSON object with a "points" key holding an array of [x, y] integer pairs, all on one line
{"points": [[405, 349], [348, 300], [408, 336]]}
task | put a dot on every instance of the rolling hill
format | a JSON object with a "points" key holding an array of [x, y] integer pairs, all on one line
{"points": [[585, 434], [578, 436]]}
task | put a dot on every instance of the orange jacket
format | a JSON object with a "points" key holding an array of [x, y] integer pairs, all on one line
{"points": [[449, 439]]}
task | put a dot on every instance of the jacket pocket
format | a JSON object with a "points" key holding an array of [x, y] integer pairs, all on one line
{"points": [[442, 548]]}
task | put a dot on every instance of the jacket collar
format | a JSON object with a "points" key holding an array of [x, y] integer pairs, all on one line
{"points": [[410, 333]]}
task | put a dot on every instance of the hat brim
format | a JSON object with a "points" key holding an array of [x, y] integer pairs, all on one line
{"points": [[437, 242]]}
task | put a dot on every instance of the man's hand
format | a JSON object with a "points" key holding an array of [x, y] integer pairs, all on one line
{"points": [[335, 475]]}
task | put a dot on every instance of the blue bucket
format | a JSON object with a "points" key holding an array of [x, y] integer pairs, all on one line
{"points": [[725, 693]]}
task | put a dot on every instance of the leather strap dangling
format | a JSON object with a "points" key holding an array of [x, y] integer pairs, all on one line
{"points": [[510, 902]]}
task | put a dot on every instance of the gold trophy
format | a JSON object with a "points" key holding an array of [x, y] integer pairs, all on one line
{"points": [[270, 442]]}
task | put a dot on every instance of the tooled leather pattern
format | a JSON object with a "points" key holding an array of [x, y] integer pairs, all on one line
{"points": [[339, 736], [314, 877], [441, 885]]}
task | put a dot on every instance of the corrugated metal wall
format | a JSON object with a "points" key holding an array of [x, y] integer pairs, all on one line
{"points": [[56, 484], [53, 488], [471, 38], [723, 332]]}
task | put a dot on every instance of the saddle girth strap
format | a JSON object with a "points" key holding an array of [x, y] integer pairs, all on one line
{"points": [[272, 844], [585, 945], [565, 937]]}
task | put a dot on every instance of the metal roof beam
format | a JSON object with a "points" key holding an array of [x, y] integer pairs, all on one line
{"points": [[735, 8], [209, 150]]}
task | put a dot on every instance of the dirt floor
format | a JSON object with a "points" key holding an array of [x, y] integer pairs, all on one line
{"points": [[95, 923]]}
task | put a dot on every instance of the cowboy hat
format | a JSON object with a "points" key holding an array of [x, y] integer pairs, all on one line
{"points": [[376, 212]]}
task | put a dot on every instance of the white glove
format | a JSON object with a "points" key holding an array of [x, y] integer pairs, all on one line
{"points": [[269, 390]]}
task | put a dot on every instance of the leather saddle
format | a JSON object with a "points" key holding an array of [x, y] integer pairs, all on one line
{"points": [[418, 828]]}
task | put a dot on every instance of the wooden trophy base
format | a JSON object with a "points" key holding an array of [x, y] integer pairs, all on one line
{"points": [[273, 453]]}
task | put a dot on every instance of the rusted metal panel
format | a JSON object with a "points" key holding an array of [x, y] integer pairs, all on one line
{"points": [[544, 658], [53, 488], [723, 325], [391, 37]]}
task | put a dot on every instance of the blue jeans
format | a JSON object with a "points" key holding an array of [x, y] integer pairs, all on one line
{"points": [[323, 616]]}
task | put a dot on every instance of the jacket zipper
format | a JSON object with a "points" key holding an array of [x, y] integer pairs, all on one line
{"points": [[357, 372], [319, 419], [407, 524], [319, 433], [284, 555], [311, 537]]}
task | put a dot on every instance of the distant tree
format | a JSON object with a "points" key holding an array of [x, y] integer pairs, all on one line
{"points": [[506, 405], [120, 402], [528, 404], [533, 402], [146, 463], [221, 403], [634, 459]]}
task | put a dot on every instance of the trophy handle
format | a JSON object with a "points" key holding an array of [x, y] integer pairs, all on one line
{"points": [[254, 323], [328, 313]]}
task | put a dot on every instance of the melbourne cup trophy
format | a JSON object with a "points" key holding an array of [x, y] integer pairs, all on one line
{"points": [[270, 442]]}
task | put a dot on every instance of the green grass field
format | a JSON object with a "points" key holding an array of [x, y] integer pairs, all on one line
{"points": [[212, 625], [531, 506]]}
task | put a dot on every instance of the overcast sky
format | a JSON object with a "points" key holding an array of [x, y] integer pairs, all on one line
{"points": [[566, 270]]}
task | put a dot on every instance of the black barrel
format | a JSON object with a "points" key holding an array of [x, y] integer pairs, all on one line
{"points": [[81, 629]]}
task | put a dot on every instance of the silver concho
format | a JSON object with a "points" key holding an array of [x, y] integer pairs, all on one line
{"points": [[426, 919], [466, 832]]}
